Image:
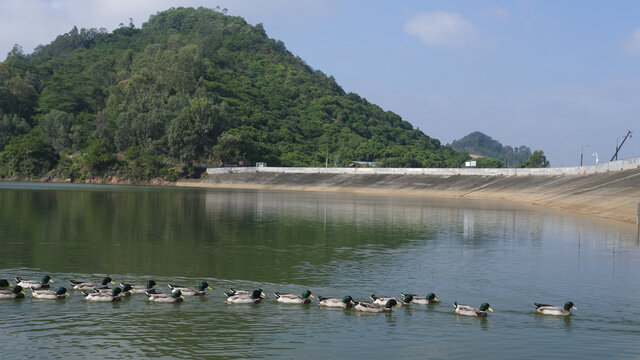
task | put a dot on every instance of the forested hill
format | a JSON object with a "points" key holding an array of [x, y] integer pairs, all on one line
{"points": [[481, 144], [189, 87]]}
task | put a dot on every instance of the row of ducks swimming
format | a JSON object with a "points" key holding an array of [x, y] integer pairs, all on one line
{"points": [[102, 292]]}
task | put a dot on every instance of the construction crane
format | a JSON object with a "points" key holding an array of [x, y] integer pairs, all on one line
{"points": [[615, 156]]}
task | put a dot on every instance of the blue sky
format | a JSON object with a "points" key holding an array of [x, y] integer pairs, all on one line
{"points": [[551, 75]]}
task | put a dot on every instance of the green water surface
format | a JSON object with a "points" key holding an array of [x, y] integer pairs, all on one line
{"points": [[332, 244]]}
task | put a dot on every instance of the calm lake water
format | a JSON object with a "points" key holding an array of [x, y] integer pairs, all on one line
{"points": [[333, 244]]}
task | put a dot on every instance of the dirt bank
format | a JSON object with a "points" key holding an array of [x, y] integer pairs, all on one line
{"points": [[612, 195]]}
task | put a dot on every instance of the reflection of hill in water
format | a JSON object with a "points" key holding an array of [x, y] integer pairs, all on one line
{"points": [[242, 234]]}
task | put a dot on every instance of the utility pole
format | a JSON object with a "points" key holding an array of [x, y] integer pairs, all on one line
{"points": [[582, 153], [615, 156]]}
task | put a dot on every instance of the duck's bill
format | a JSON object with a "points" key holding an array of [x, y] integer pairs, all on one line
{"points": [[573, 307], [209, 288], [112, 282], [313, 297], [436, 299], [10, 285], [263, 296], [67, 294], [490, 309], [51, 281]]}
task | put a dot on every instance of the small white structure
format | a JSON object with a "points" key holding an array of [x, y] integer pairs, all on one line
{"points": [[470, 163], [261, 164], [365, 163]]}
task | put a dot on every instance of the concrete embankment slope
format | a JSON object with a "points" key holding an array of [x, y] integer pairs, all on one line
{"points": [[611, 194]]}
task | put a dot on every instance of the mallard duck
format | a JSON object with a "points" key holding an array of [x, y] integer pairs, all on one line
{"points": [[125, 290], [375, 308], [5, 283], [87, 285], [406, 299], [142, 289], [472, 311], [187, 291], [100, 296], [49, 294], [345, 302], [14, 293], [255, 297], [429, 299], [28, 284], [174, 297], [555, 310], [293, 298], [232, 292]]}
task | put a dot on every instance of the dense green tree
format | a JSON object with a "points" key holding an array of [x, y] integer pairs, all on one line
{"points": [[230, 148], [193, 133], [55, 129], [27, 156], [81, 130], [536, 160], [99, 156], [10, 127], [489, 163]]}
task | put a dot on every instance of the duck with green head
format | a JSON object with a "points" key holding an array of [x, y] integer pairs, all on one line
{"points": [[423, 300], [406, 299], [142, 289], [114, 295], [376, 308], [472, 311], [87, 285], [49, 294], [125, 290], [345, 302], [15, 293], [294, 298], [555, 310], [5, 283], [175, 297], [188, 291], [232, 292], [37, 284], [255, 297]]}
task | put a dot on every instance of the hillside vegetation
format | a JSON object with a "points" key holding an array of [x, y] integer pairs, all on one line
{"points": [[190, 87], [483, 145]]}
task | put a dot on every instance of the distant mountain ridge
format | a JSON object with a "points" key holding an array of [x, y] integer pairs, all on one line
{"points": [[481, 144]]}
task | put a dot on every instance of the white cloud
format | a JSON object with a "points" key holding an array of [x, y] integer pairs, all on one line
{"points": [[441, 28], [632, 45]]}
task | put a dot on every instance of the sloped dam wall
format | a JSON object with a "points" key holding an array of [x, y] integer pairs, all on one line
{"points": [[610, 190]]}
